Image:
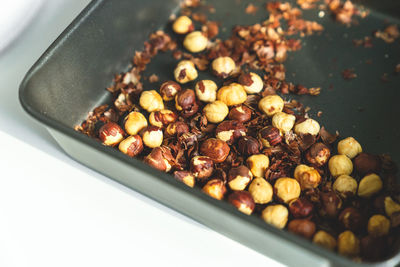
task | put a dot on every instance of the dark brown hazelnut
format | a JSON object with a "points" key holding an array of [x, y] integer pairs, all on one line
{"points": [[248, 146], [302, 227], [185, 103], [216, 149], [352, 219], [331, 204], [230, 131], [177, 128], [301, 208], [215, 188], [318, 154], [131, 146], [185, 177], [111, 134], [366, 163], [160, 158], [243, 201], [269, 136], [239, 177], [373, 248], [202, 167], [169, 89], [240, 113]]}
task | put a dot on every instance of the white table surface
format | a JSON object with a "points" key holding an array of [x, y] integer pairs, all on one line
{"points": [[56, 212]]}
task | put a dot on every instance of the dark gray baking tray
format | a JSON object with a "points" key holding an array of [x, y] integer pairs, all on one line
{"points": [[69, 79]]}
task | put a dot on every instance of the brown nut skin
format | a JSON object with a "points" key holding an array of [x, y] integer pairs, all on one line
{"points": [[185, 102], [240, 113], [239, 177], [216, 149], [160, 158], [169, 89], [185, 177], [302, 227], [243, 201], [351, 219], [131, 146], [269, 136], [111, 134], [373, 248], [248, 146], [202, 167], [177, 128], [301, 208], [366, 163], [318, 155], [230, 131], [215, 188], [330, 204], [308, 177]]}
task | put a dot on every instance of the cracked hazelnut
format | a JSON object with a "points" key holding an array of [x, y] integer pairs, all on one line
{"points": [[230, 131], [391, 206], [215, 188], [302, 227], [206, 91], [216, 111], [185, 103], [195, 42], [276, 215], [185, 71], [331, 204], [284, 122], [252, 83], [182, 25], [269, 136], [378, 225], [232, 94], [135, 122], [346, 186], [160, 158], [271, 105], [349, 147], [223, 66], [240, 113], [308, 177], [177, 128], [151, 101], [351, 219], [248, 146], [309, 126], [239, 178], [169, 89], [216, 149], [202, 167], [366, 163], [261, 191], [131, 146], [287, 189], [369, 185], [258, 164], [185, 177], [301, 208], [243, 201], [325, 240], [318, 154], [348, 244], [339, 165], [111, 134], [152, 136], [162, 118]]}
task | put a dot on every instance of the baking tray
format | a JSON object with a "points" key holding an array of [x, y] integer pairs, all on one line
{"points": [[70, 78]]}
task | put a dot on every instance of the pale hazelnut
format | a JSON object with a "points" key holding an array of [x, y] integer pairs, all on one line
{"points": [[378, 225], [206, 91], [345, 185], [349, 147], [162, 118], [185, 177], [135, 122], [252, 83], [348, 244], [271, 104], [276, 215], [202, 167], [284, 122], [151, 101], [169, 89], [152, 136], [216, 111], [239, 177], [287, 189], [369, 185], [240, 113], [182, 25], [195, 42], [258, 164], [309, 126], [325, 240], [215, 188], [339, 165], [223, 66], [131, 146], [261, 191], [111, 134], [243, 201], [185, 71], [391, 206], [232, 94], [308, 177], [160, 158]]}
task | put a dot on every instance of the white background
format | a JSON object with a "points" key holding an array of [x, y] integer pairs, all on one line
{"points": [[54, 211]]}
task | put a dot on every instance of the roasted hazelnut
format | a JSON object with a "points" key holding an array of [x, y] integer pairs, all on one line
{"points": [[261, 191], [269, 136], [232, 94], [216, 111], [160, 158], [223, 66], [345, 185], [151, 101], [309, 126], [131, 146], [182, 25], [185, 71], [373, 248], [243, 201], [202, 167], [177, 128], [185, 177], [258, 164], [206, 91], [152, 136], [308, 177], [287, 189], [252, 83], [240, 113], [185, 103], [351, 219], [169, 89], [391, 206], [349, 147], [239, 178], [195, 42], [331, 204], [111, 134], [276, 215], [230, 131], [162, 118], [248, 146], [325, 240], [348, 244], [318, 154], [369, 185], [366, 163], [339, 165], [271, 105], [378, 225], [302, 227], [215, 188], [284, 122], [135, 122], [301, 208], [216, 149]]}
